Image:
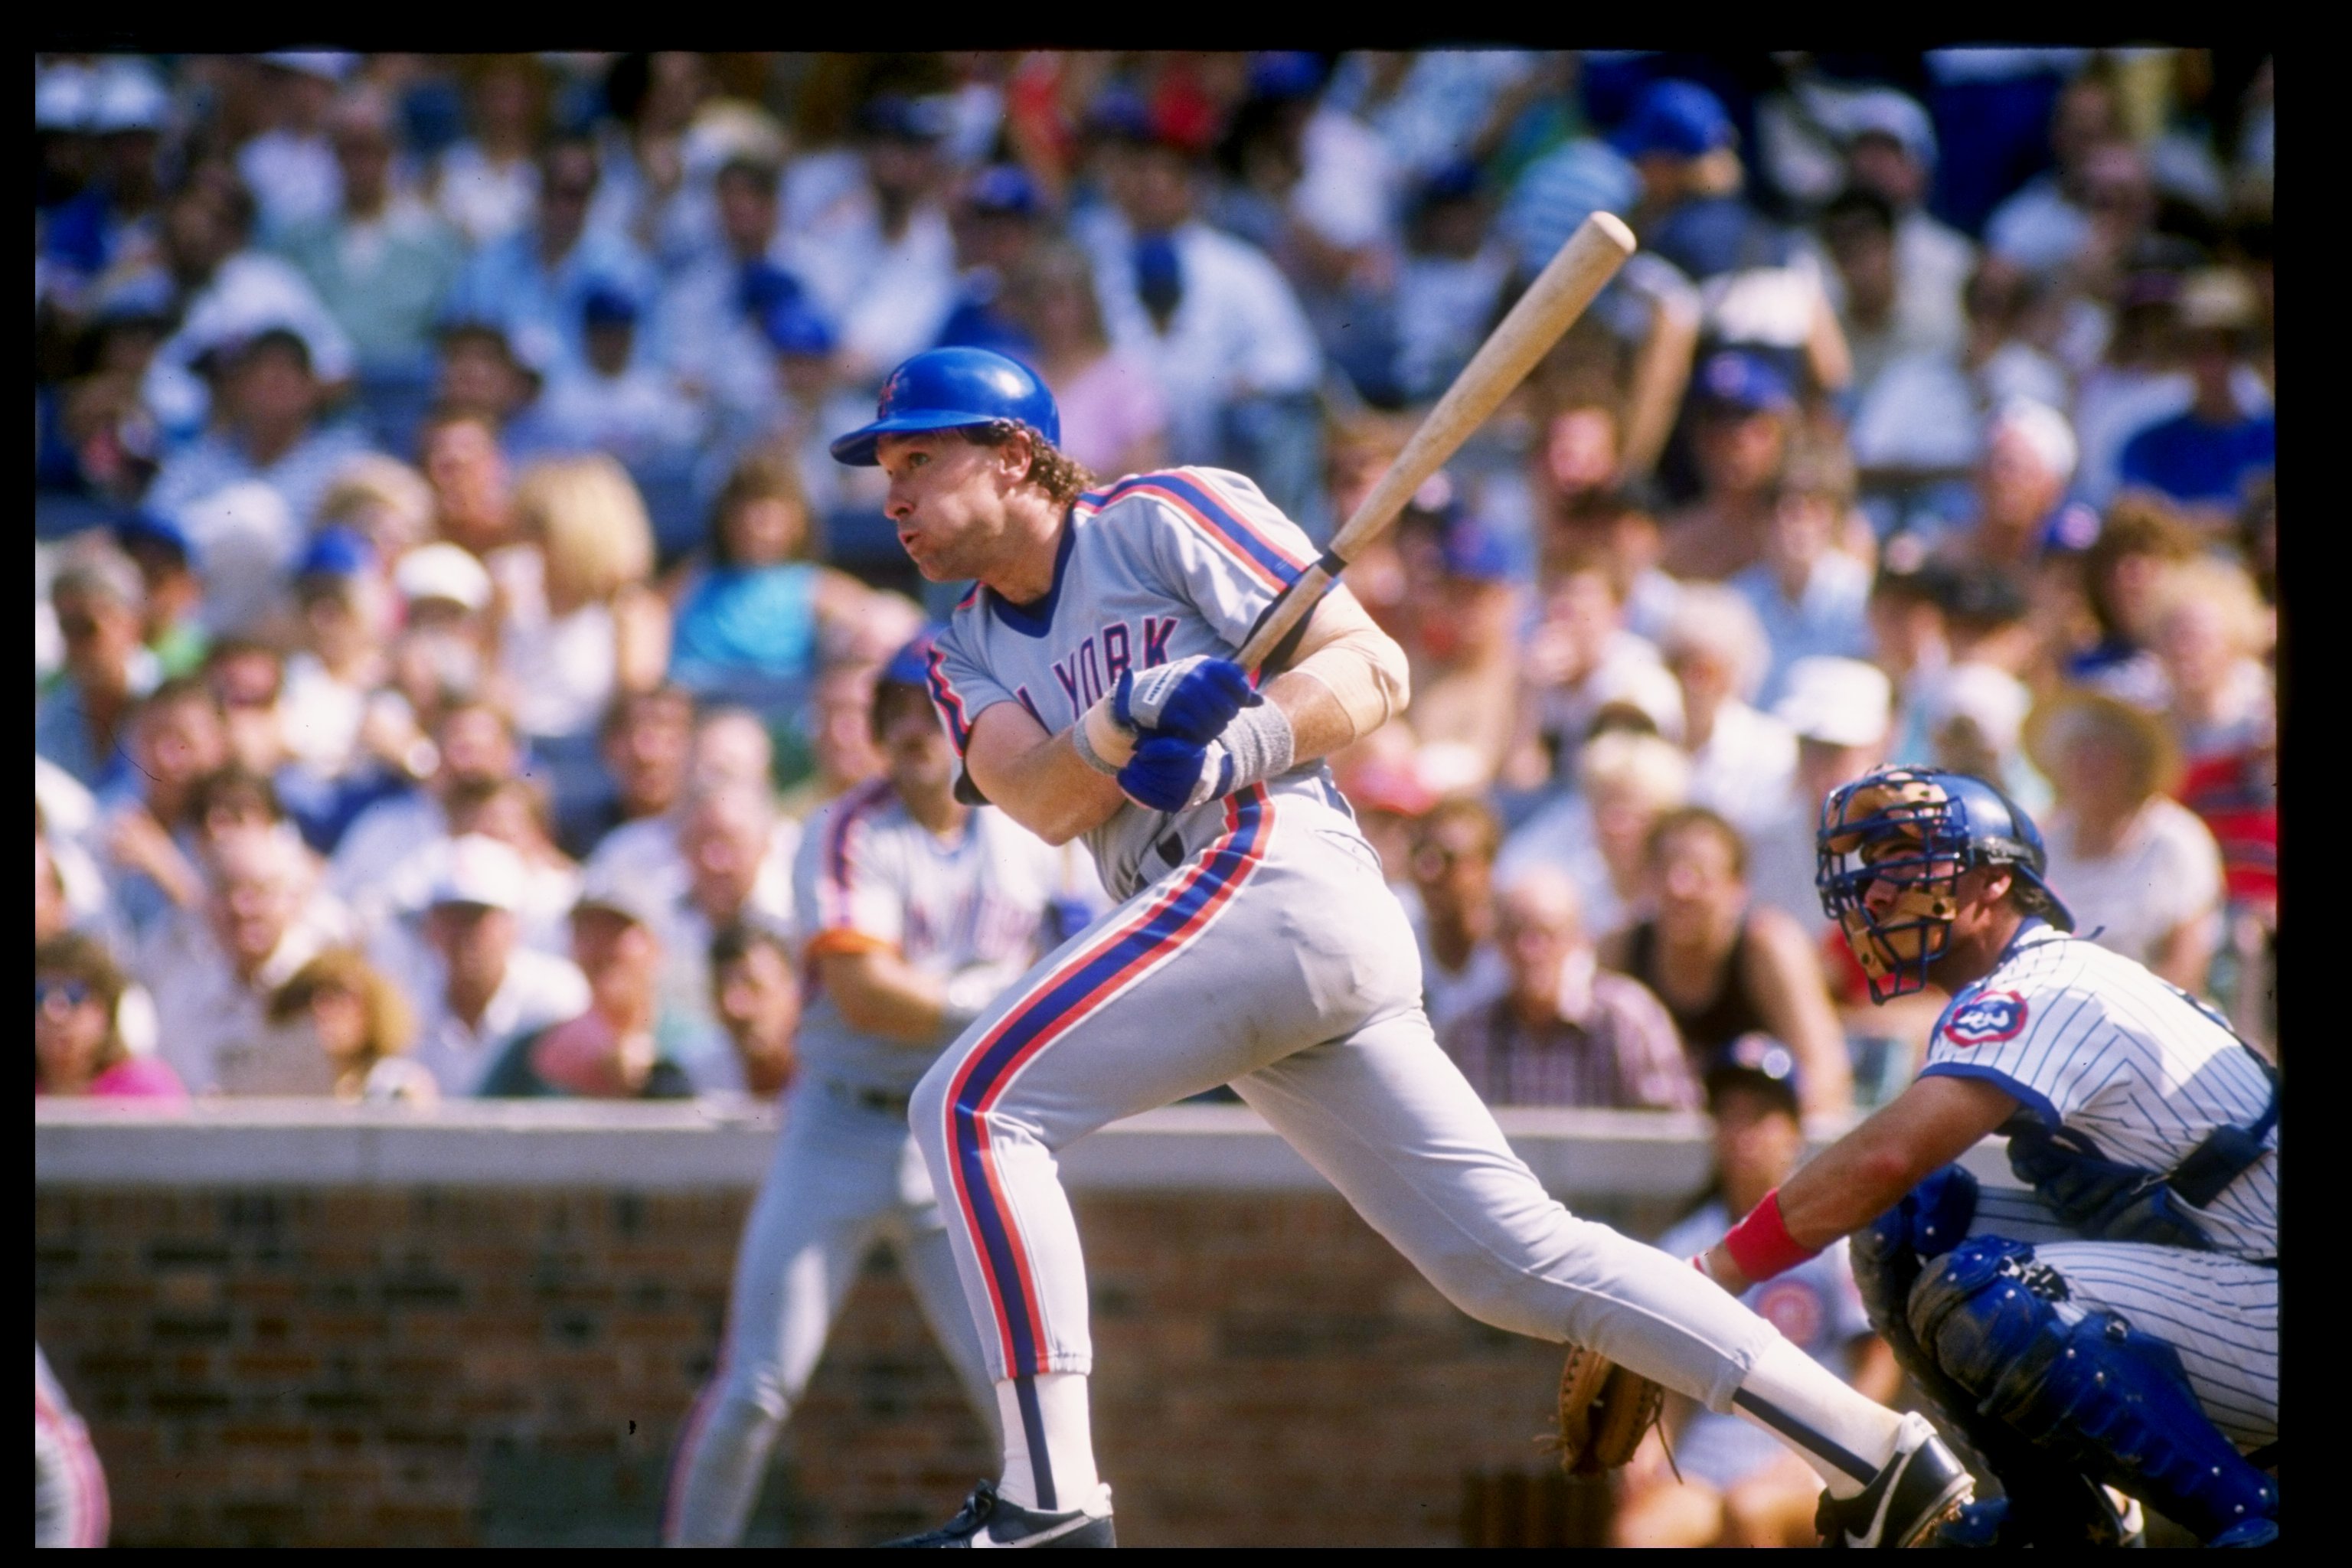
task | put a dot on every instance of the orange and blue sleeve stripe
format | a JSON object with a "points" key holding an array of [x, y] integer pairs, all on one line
{"points": [[1225, 525]]}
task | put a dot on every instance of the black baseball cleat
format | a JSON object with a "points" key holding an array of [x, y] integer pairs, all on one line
{"points": [[988, 1519], [1917, 1491]]}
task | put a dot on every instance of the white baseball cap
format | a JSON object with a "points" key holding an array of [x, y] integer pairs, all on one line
{"points": [[1841, 702], [626, 893], [476, 870], [441, 571], [1994, 699], [129, 97]]}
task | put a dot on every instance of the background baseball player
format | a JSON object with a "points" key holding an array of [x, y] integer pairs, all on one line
{"points": [[70, 1503], [1086, 683], [2121, 1317], [919, 910]]}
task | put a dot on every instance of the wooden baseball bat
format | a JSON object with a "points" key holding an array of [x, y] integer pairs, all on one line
{"points": [[1558, 296]]}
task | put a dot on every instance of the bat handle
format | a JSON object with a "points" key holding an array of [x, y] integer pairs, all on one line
{"points": [[1288, 613]]}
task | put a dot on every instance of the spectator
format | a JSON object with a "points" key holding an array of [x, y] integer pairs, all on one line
{"points": [[272, 401], [758, 1003], [886, 272], [1209, 314], [1680, 141], [376, 870], [1742, 762], [77, 1047], [1450, 281], [477, 988], [2206, 459], [494, 373], [1581, 659], [998, 219], [2210, 631], [233, 805], [1841, 711], [2142, 542], [736, 857], [593, 627], [2140, 873], [1731, 1485], [1457, 621], [1974, 716], [1743, 415], [222, 294], [473, 504], [644, 743], [514, 813], [78, 722], [761, 617], [615, 400], [291, 167], [177, 739], [1811, 597], [1453, 865], [1115, 420], [1725, 965], [1566, 1031], [213, 975], [382, 264], [359, 1025], [2046, 225], [171, 596], [539, 278], [607, 1051], [330, 678], [487, 184], [841, 739], [1891, 154], [715, 308], [443, 652], [1628, 781]]}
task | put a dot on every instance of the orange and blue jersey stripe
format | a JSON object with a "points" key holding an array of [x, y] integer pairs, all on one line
{"points": [[1081, 986]]}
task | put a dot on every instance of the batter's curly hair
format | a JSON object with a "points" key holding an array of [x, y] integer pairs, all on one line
{"points": [[1054, 471]]}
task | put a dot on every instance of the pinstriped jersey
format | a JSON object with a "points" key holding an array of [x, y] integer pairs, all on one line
{"points": [[2090, 1040], [869, 876], [1159, 566]]}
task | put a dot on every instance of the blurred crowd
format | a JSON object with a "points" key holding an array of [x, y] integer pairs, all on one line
{"points": [[445, 614]]}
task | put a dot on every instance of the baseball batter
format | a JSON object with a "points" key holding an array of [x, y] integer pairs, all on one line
{"points": [[917, 910], [1086, 682], [2119, 1316]]}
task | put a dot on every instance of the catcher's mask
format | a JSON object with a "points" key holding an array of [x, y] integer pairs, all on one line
{"points": [[1917, 831]]}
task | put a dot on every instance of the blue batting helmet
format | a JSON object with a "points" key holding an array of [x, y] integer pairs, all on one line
{"points": [[949, 389], [1916, 830]]}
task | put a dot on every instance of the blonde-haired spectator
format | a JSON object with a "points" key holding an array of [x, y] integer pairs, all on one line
{"points": [[360, 1025], [2139, 871], [1742, 761], [1627, 780], [591, 626]]}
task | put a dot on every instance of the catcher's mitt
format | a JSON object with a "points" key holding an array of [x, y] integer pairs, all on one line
{"points": [[1604, 1410]]}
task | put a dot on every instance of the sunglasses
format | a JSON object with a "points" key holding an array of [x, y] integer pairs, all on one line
{"points": [[74, 992]]}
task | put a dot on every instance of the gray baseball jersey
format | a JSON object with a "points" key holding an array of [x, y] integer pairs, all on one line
{"points": [[1160, 566], [1257, 945], [868, 875]]}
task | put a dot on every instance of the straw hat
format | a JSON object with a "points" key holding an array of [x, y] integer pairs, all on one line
{"points": [[2056, 721]]}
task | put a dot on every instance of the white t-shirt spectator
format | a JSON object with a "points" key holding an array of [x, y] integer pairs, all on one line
{"points": [[1926, 412], [250, 293], [1830, 617], [380, 868], [1236, 332], [486, 201], [638, 416], [2166, 873]]}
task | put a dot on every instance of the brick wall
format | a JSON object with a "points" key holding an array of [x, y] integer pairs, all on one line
{"points": [[390, 1365]]}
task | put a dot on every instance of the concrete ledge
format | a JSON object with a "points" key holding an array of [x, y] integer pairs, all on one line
{"points": [[721, 1145]]}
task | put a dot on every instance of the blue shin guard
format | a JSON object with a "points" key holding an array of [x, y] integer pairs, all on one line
{"points": [[2087, 1388]]}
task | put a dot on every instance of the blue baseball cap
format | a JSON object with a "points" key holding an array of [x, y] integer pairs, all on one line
{"points": [[1681, 119], [911, 665], [143, 527], [336, 553], [1004, 189], [892, 117], [951, 389], [1284, 74], [607, 306], [1746, 382], [795, 327]]}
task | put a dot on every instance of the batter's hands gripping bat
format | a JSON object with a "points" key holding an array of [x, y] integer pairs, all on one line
{"points": [[1558, 296]]}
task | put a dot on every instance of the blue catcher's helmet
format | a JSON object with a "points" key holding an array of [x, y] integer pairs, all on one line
{"points": [[951, 389], [1915, 831]]}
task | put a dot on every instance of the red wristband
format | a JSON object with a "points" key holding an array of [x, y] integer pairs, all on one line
{"points": [[1761, 1244]]}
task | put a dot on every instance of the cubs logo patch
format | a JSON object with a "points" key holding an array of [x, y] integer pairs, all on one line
{"points": [[1986, 1020]]}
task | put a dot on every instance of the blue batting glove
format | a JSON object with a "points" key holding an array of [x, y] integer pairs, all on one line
{"points": [[1193, 698], [1168, 773]]}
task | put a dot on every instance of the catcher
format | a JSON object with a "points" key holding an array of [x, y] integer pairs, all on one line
{"points": [[2116, 1323]]}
